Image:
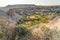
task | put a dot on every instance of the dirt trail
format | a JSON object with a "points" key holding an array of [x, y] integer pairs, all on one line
{"points": [[55, 23]]}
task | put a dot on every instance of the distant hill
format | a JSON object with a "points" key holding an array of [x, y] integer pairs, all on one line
{"points": [[16, 6], [26, 6]]}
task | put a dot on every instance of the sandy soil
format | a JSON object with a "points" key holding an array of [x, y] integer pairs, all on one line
{"points": [[55, 23]]}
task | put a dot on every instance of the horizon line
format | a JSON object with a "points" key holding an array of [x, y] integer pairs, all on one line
{"points": [[31, 4]]}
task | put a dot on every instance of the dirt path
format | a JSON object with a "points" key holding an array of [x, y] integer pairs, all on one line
{"points": [[55, 23]]}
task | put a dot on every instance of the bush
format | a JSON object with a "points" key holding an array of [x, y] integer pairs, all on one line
{"points": [[23, 30], [1, 34]]}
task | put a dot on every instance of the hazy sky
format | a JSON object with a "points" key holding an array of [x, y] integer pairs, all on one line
{"points": [[38, 2]]}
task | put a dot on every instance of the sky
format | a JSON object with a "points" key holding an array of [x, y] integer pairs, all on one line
{"points": [[37, 2]]}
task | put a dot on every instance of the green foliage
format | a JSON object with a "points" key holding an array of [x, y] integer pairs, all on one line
{"points": [[1, 34], [58, 14], [44, 20], [34, 21], [23, 30]]}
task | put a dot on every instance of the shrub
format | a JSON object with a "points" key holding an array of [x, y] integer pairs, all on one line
{"points": [[1, 34], [23, 30]]}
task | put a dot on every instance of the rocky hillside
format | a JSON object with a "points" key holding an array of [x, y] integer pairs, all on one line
{"points": [[3, 14], [16, 12]]}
